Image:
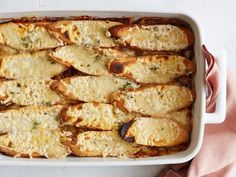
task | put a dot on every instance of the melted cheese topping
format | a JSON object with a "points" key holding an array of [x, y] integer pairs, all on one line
{"points": [[28, 92], [43, 142], [30, 66], [87, 60], [95, 89], [88, 32], [104, 143], [97, 116], [155, 37], [27, 36], [29, 118], [150, 69], [157, 101], [157, 132]]}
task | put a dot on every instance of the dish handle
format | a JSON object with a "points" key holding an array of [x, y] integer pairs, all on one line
{"points": [[220, 111]]}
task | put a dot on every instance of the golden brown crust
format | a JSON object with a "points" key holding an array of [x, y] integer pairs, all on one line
{"points": [[162, 21], [124, 20], [8, 151], [148, 151]]}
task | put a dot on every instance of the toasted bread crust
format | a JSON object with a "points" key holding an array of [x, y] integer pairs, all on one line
{"points": [[162, 21], [152, 68]]}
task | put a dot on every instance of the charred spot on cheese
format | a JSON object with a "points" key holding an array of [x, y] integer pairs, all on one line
{"points": [[123, 129], [27, 36], [116, 67]]}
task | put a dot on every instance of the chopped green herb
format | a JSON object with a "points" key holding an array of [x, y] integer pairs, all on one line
{"points": [[48, 103], [18, 85], [12, 93], [129, 97], [98, 41], [157, 36], [127, 86], [97, 58], [35, 125], [53, 62], [153, 68], [56, 118]]}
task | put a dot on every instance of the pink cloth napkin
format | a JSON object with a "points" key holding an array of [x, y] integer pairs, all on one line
{"points": [[217, 156]]}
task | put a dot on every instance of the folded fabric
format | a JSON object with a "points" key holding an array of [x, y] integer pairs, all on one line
{"points": [[217, 156]]}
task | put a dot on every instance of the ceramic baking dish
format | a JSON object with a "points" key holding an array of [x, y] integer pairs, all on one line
{"points": [[200, 117]]}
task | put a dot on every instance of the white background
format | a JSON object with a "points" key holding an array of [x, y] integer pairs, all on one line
{"points": [[217, 20]]}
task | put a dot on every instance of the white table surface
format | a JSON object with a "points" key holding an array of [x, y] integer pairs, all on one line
{"points": [[218, 24]]}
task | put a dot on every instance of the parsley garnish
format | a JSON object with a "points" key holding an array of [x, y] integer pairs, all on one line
{"points": [[35, 125], [153, 68], [127, 86]]}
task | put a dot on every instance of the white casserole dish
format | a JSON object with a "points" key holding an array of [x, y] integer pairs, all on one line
{"points": [[200, 117]]}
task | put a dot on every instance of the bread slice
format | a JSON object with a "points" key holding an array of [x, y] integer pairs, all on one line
{"points": [[101, 143], [153, 37], [28, 92], [153, 100], [91, 88], [98, 116], [30, 118], [87, 60], [34, 143], [27, 36], [5, 51], [37, 65], [159, 132], [85, 32], [152, 68]]}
